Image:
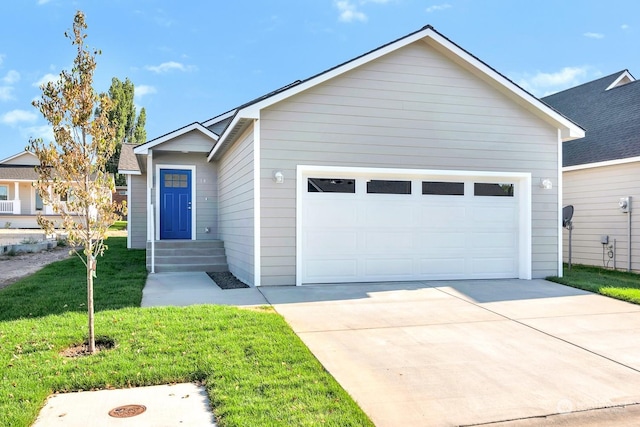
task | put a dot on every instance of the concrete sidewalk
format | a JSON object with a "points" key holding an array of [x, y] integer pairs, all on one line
{"points": [[521, 353], [182, 289]]}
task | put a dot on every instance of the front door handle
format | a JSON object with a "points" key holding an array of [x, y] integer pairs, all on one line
{"points": [[189, 206]]}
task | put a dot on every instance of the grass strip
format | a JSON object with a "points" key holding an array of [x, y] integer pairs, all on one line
{"points": [[617, 284], [256, 370]]}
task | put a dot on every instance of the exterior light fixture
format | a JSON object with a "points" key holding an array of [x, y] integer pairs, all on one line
{"points": [[546, 183], [278, 177]]}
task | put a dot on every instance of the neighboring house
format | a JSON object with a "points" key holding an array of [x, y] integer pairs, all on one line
{"points": [[414, 161], [20, 203], [602, 168]]}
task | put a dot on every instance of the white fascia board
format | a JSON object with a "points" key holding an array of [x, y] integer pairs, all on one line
{"points": [[144, 148], [601, 164], [129, 172], [625, 74], [219, 118], [572, 131]]}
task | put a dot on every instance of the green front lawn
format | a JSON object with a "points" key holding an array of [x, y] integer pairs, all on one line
{"points": [[256, 370], [616, 284], [119, 225]]}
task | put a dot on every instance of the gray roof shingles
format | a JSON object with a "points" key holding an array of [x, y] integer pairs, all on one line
{"points": [[611, 119], [128, 160], [18, 172]]}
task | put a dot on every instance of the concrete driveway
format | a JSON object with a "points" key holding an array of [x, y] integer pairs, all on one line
{"points": [[506, 352]]}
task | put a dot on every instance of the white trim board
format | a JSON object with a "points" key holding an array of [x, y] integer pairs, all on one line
{"points": [[192, 168], [257, 234], [522, 178]]}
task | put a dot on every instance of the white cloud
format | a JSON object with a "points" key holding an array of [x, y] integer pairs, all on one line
{"points": [[45, 132], [6, 93], [349, 11], [624, 26], [46, 79], [11, 77], [594, 35], [166, 67], [41, 2], [1, 58], [14, 117], [143, 90], [438, 7], [542, 84]]}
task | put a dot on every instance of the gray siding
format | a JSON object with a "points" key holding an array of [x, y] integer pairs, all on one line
{"points": [[193, 141], [236, 206], [595, 193], [138, 212], [206, 184], [413, 108]]}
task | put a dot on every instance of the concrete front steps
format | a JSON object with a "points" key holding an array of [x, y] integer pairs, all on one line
{"points": [[188, 255]]}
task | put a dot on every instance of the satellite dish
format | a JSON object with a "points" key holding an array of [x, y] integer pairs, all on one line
{"points": [[567, 214]]}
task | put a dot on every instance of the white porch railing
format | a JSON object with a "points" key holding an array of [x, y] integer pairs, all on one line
{"points": [[10, 207]]}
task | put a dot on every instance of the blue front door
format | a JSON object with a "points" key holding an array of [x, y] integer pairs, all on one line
{"points": [[175, 204]]}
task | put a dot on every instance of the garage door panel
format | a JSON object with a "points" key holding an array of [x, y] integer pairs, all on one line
{"points": [[385, 242], [385, 211], [386, 267], [328, 270], [452, 267], [331, 213], [493, 215], [441, 216], [326, 241], [441, 240]]}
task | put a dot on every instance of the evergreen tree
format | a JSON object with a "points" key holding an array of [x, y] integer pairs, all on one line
{"points": [[129, 129]]}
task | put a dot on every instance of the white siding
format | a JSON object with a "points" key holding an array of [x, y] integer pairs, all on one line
{"points": [[236, 212], [413, 108], [206, 185], [595, 193], [138, 212]]}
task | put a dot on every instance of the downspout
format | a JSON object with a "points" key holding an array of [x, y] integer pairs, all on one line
{"points": [[151, 212]]}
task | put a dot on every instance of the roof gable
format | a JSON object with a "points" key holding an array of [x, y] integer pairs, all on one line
{"points": [[428, 34], [144, 148], [21, 158]]}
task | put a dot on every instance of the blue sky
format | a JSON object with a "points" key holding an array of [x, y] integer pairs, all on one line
{"points": [[192, 60]]}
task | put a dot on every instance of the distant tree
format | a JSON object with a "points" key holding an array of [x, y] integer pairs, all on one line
{"points": [[128, 128], [73, 166]]}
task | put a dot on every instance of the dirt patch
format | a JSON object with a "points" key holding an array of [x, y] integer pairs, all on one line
{"points": [[79, 350], [14, 268]]}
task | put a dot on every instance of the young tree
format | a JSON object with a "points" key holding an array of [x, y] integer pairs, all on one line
{"points": [[73, 179], [128, 128]]}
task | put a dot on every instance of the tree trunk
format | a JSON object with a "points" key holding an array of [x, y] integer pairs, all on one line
{"points": [[92, 335]]}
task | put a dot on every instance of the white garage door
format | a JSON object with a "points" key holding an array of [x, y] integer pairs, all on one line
{"points": [[367, 228]]}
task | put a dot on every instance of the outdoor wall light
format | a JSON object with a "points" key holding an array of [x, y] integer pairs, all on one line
{"points": [[278, 177], [546, 183]]}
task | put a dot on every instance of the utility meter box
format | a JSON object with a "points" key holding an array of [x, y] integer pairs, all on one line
{"points": [[625, 204]]}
